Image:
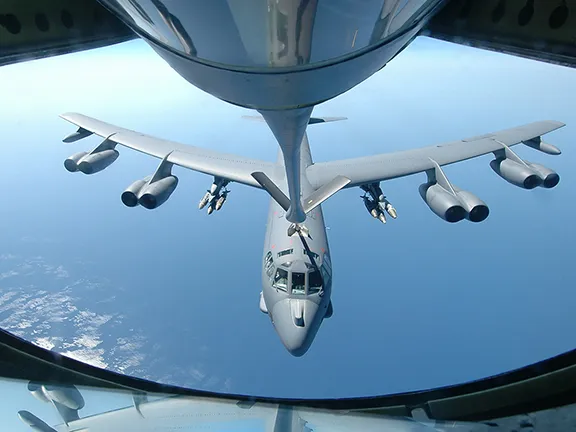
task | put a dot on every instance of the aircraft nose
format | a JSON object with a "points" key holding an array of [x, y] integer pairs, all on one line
{"points": [[295, 323]]}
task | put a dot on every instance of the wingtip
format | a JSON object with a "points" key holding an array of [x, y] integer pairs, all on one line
{"points": [[66, 115], [557, 123]]}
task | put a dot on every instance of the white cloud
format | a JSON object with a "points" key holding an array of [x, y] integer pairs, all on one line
{"points": [[56, 317], [8, 274], [88, 341], [94, 357], [46, 342]]}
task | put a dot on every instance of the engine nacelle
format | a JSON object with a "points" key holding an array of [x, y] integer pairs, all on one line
{"points": [[71, 164], [96, 162], [69, 396], [515, 173], [132, 193], [549, 178], [156, 194], [37, 391], [476, 209], [442, 202]]}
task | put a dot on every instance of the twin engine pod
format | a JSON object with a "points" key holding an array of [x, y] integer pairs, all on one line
{"points": [[526, 175], [149, 195], [66, 399], [67, 395], [91, 163], [150, 192], [453, 207]]}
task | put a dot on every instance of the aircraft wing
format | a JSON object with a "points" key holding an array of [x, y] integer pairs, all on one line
{"points": [[211, 162], [388, 166]]}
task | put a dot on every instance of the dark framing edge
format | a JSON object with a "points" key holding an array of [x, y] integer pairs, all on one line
{"points": [[547, 384]]}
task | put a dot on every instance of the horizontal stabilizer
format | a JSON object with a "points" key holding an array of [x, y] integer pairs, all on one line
{"points": [[320, 195], [274, 191], [313, 120]]}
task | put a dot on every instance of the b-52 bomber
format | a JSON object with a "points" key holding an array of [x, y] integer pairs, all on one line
{"points": [[296, 266]]}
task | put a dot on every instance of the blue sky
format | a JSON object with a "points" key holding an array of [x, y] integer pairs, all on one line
{"points": [[417, 303]]}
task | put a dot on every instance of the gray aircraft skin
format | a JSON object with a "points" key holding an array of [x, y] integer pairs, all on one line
{"points": [[296, 266], [280, 57], [296, 270], [158, 412]]}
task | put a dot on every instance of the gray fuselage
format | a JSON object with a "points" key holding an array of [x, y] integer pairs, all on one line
{"points": [[296, 270]]}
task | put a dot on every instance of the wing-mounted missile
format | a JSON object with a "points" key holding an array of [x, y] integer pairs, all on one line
{"points": [[370, 206], [380, 203], [388, 208], [448, 201], [222, 199], [518, 172], [96, 160], [204, 200], [215, 197]]}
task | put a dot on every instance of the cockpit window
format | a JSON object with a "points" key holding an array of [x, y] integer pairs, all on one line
{"points": [[269, 264], [281, 279], [270, 270], [298, 283], [314, 282], [285, 252]]}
